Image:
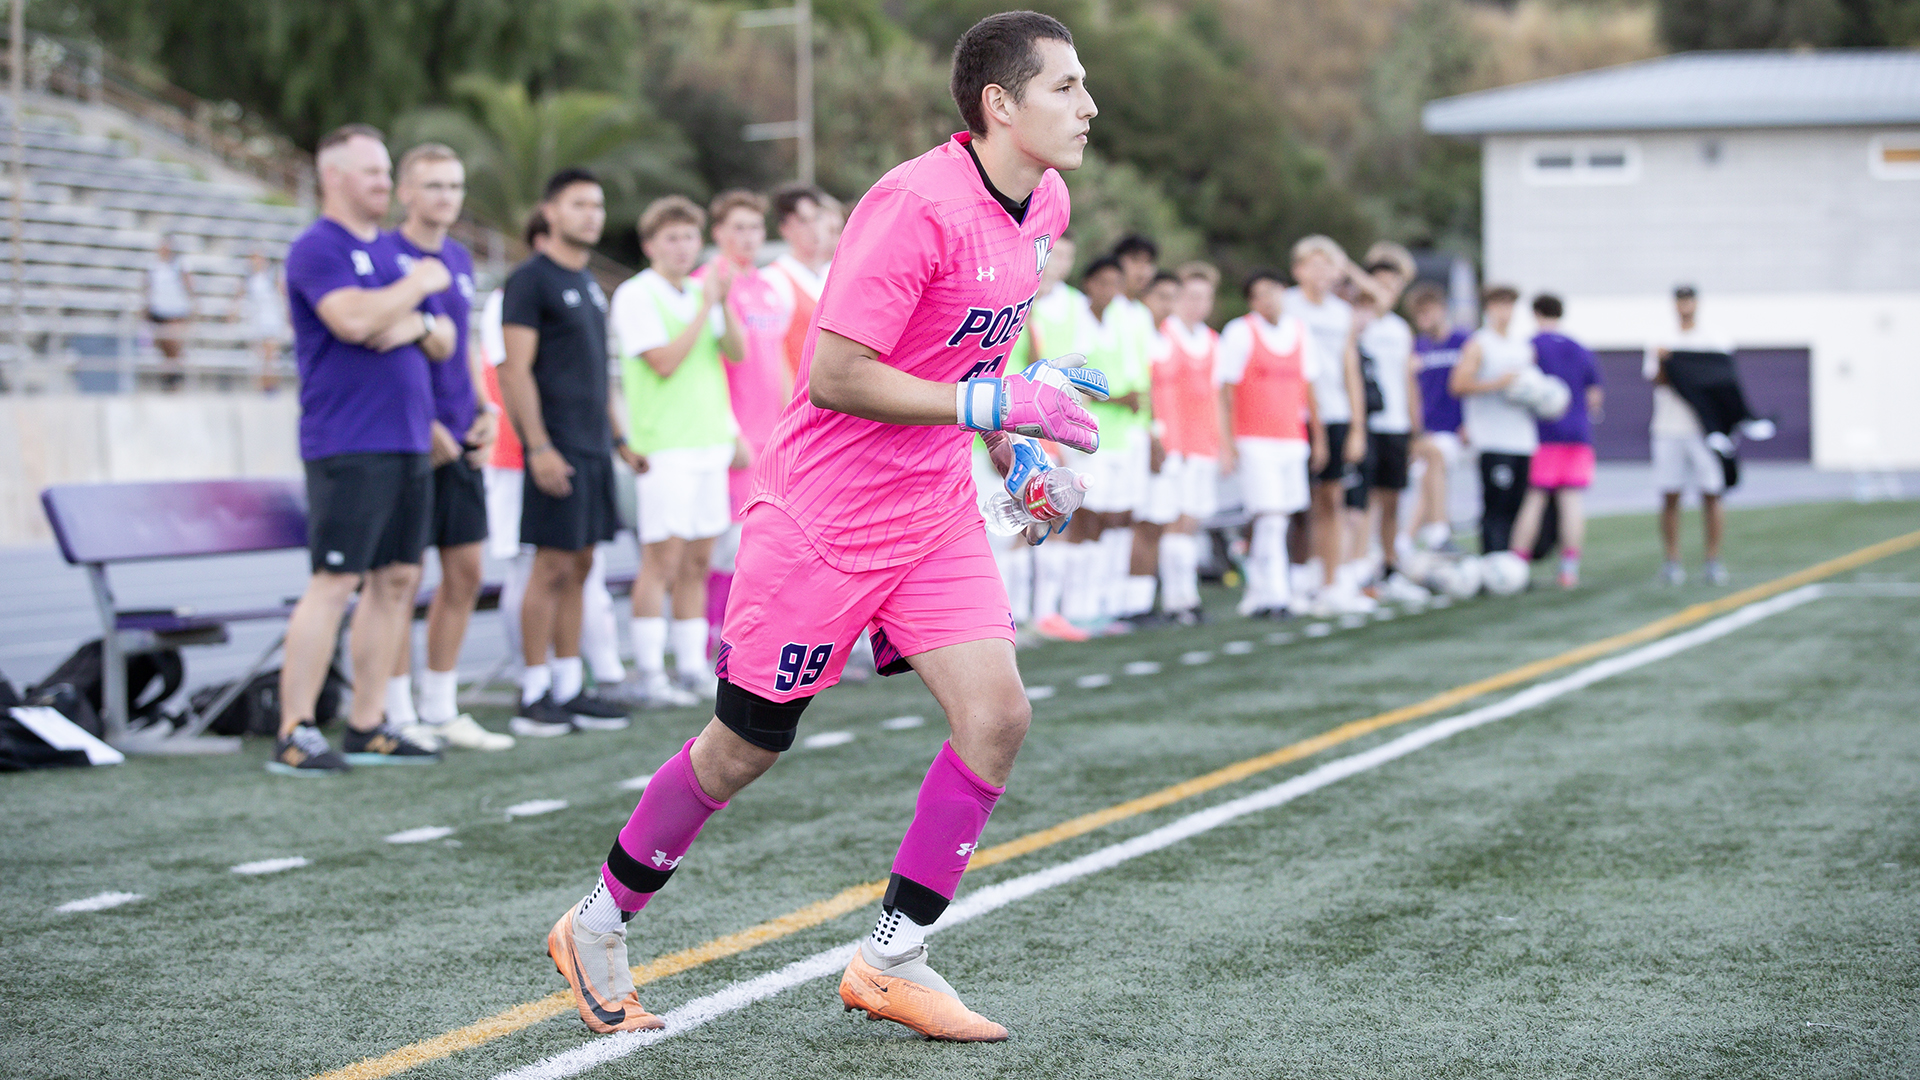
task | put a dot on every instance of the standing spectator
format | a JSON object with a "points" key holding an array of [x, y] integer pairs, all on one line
{"points": [[366, 410], [1155, 509], [1563, 466], [758, 382], [432, 188], [1270, 428], [1502, 432], [1385, 342], [1185, 406], [1133, 553], [170, 310], [1438, 447], [799, 213], [671, 329], [261, 306], [1062, 322], [1681, 456], [554, 379], [1092, 575]]}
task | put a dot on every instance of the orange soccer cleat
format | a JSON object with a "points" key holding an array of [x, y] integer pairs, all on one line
{"points": [[595, 967], [908, 992], [1057, 628]]}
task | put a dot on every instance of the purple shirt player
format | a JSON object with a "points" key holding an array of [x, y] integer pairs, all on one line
{"points": [[453, 398], [1439, 409], [353, 400], [1571, 363]]}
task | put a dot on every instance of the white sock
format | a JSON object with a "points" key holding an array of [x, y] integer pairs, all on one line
{"points": [[599, 626], [400, 711], [1080, 601], [895, 934], [1049, 577], [535, 681], [1434, 533], [649, 643], [512, 591], [437, 691], [1269, 552], [1180, 571], [690, 645], [1116, 546], [569, 677], [1140, 593], [599, 913]]}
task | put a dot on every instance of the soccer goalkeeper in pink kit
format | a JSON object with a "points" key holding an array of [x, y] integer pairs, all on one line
{"points": [[862, 520]]}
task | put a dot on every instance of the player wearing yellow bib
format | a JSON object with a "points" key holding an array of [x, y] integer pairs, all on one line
{"points": [[1060, 323], [672, 329]]}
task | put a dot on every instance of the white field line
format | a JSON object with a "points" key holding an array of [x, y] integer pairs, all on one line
{"points": [[902, 723], [635, 783], [1198, 656], [420, 835], [100, 901], [822, 964], [1237, 648], [826, 739], [1039, 693], [533, 807], [270, 866], [1094, 681], [1142, 667]]}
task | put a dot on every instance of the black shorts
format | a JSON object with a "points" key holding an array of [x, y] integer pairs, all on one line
{"points": [[366, 511], [1503, 485], [459, 505], [1353, 477], [585, 517], [1388, 451]]}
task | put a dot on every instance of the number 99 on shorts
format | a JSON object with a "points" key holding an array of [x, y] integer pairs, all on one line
{"points": [[801, 666]]}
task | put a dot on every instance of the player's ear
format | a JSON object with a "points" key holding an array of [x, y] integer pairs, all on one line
{"points": [[997, 103]]}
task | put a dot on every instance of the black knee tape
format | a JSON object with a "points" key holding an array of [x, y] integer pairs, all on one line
{"points": [[634, 874], [769, 725], [914, 900]]}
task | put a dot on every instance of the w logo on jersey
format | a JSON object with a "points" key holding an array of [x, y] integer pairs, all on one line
{"points": [[1042, 251]]}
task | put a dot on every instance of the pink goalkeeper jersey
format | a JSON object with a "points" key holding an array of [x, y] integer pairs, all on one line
{"points": [[937, 278]]}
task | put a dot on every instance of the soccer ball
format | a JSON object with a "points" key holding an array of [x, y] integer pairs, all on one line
{"points": [[1504, 573], [1458, 578], [1545, 396]]}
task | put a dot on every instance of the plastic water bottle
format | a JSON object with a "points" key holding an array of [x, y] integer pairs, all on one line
{"points": [[1046, 496]]}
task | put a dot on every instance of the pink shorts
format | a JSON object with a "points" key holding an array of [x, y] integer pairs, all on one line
{"points": [[792, 617], [1561, 465]]}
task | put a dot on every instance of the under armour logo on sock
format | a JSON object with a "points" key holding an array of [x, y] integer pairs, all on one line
{"points": [[661, 860], [966, 850]]}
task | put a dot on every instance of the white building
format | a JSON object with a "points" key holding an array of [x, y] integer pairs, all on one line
{"points": [[1784, 186]]}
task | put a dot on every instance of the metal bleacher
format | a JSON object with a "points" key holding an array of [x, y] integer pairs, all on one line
{"points": [[93, 214]]}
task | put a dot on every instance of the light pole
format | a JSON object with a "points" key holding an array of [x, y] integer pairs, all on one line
{"points": [[800, 17]]}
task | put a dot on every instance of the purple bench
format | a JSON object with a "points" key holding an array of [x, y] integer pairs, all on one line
{"points": [[98, 525]]}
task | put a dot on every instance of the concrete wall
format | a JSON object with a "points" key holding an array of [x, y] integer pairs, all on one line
{"points": [[57, 439], [1766, 211]]}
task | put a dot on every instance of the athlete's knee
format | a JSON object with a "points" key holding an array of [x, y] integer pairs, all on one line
{"points": [[395, 584], [724, 762], [1003, 716]]}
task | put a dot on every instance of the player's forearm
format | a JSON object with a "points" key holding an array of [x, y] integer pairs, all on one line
{"points": [[439, 343], [862, 386], [356, 315], [733, 344], [1223, 413], [1356, 386]]}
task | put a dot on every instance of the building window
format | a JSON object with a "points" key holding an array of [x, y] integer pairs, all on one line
{"points": [[1611, 162], [1894, 157]]}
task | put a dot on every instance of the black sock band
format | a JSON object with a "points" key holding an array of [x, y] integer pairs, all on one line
{"points": [[633, 873], [914, 900]]}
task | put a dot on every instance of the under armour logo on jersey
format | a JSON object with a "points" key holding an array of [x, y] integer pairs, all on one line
{"points": [[966, 850], [1042, 251], [362, 263], [985, 273], [661, 860]]}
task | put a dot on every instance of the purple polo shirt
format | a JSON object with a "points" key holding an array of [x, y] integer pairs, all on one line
{"points": [[1570, 362], [1439, 409], [453, 401], [353, 400]]}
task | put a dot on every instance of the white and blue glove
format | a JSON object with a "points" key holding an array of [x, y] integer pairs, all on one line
{"points": [[1043, 401]]}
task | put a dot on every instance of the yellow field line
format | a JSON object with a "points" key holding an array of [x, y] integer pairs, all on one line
{"points": [[814, 914]]}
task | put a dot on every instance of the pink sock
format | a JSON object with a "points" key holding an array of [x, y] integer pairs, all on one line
{"points": [[947, 821], [657, 836]]}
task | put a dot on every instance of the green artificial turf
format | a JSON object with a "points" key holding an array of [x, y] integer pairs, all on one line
{"points": [[1707, 867]]}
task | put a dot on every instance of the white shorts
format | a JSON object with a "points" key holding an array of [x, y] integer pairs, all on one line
{"points": [[1184, 487], [1273, 474], [1448, 443], [1684, 461], [1116, 476], [684, 495], [504, 487]]}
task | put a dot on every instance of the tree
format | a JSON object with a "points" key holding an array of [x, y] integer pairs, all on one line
{"points": [[1772, 24]]}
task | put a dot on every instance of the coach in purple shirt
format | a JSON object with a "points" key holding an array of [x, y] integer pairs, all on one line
{"points": [[364, 341]]}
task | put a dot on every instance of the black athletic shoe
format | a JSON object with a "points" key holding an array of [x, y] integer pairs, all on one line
{"points": [[543, 719], [1189, 617], [385, 745], [1146, 620], [306, 753], [593, 713]]}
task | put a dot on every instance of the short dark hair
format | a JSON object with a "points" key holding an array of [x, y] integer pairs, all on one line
{"points": [[1683, 292], [1499, 294], [1548, 306], [1260, 274], [1425, 293], [999, 51], [1164, 277], [565, 179], [1136, 244], [788, 197], [1099, 265], [535, 228]]}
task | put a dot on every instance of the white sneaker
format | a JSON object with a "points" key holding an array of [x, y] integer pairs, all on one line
{"points": [[464, 733], [423, 734], [1401, 589], [654, 690], [1334, 601], [701, 682]]}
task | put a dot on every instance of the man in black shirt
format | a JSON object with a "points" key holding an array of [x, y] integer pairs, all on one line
{"points": [[554, 382]]}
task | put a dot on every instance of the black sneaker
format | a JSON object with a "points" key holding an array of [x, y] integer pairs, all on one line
{"points": [[306, 753], [543, 719], [385, 745], [594, 713], [1189, 617]]}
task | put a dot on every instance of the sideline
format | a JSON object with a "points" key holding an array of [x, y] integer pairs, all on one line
{"points": [[859, 896], [739, 995]]}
